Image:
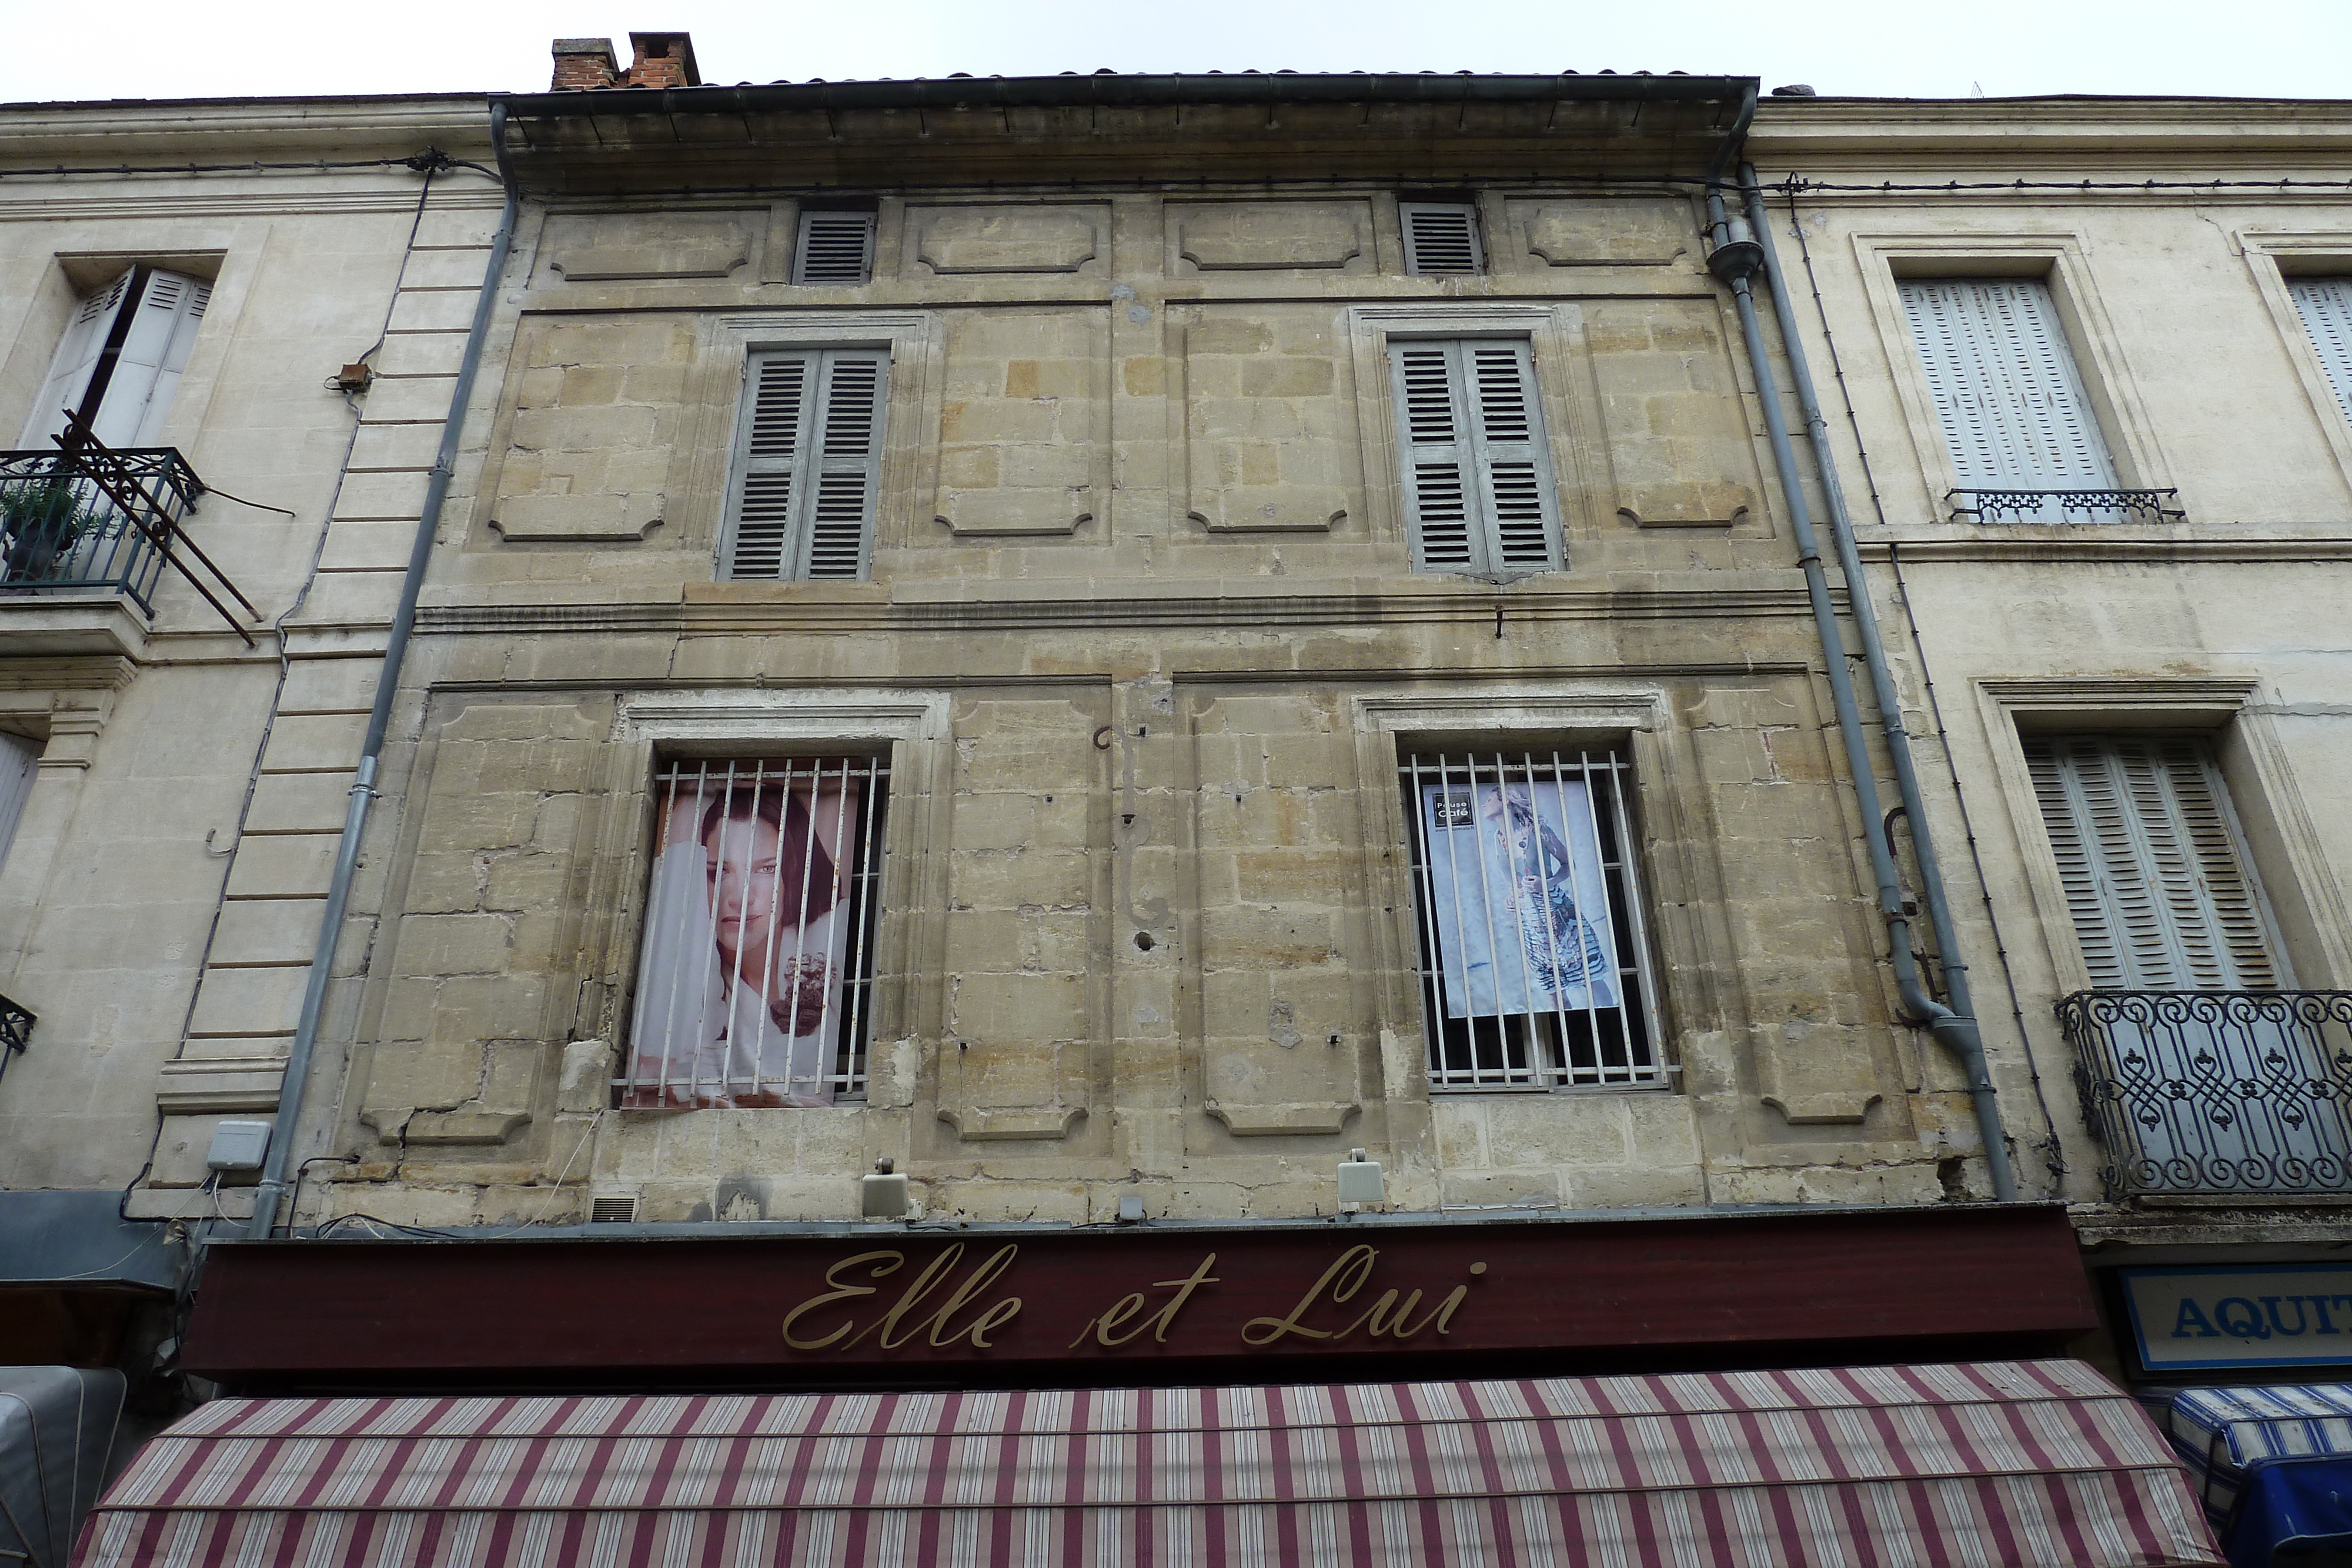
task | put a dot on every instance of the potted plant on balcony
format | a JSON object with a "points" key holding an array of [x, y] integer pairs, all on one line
{"points": [[41, 519]]}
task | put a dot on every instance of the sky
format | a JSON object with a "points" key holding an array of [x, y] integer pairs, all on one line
{"points": [[147, 49]]}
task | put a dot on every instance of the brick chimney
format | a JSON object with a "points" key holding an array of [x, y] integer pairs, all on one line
{"points": [[664, 59], [582, 62]]}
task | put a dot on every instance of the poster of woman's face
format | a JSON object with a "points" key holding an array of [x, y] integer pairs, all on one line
{"points": [[739, 981], [1519, 905]]}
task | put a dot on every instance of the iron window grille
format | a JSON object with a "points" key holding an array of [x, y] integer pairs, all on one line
{"points": [[1535, 970], [755, 976], [2215, 1092], [2007, 506]]}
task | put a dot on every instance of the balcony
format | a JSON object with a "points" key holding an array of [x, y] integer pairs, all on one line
{"points": [[93, 518], [2214, 1094], [2065, 506]]}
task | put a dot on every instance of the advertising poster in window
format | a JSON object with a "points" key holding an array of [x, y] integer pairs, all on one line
{"points": [[1517, 900], [739, 981]]}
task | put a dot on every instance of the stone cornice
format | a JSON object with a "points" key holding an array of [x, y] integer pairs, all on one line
{"points": [[202, 131], [1817, 138]]}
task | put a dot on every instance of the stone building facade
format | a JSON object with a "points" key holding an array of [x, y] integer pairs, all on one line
{"points": [[1142, 642]]}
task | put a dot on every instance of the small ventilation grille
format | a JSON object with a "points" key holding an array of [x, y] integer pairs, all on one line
{"points": [[1440, 239], [836, 247], [611, 1210]]}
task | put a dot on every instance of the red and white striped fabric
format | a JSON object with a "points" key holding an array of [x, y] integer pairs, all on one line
{"points": [[2002, 1463]]}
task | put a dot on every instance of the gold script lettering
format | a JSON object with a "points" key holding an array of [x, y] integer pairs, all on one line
{"points": [[1104, 1328], [840, 1292], [937, 1322], [1345, 1277]]}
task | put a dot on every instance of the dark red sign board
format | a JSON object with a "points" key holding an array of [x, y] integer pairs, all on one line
{"points": [[1127, 1304]]}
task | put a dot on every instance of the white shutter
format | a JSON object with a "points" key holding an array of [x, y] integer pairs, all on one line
{"points": [[154, 354], [2012, 404], [2326, 305], [2155, 877], [77, 357], [1477, 473], [19, 761], [1440, 238], [807, 464], [835, 247]]}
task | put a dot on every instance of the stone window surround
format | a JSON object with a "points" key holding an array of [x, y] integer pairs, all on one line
{"points": [[1564, 384], [2057, 257], [1636, 717], [2274, 258], [2288, 861], [913, 726], [916, 341]]}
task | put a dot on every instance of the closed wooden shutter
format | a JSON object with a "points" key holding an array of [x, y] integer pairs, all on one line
{"points": [[835, 247], [2012, 404], [807, 465], [2326, 305], [1440, 238], [2156, 875], [1477, 473]]}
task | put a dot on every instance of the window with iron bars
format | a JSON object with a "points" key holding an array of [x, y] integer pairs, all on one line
{"points": [[755, 978], [1535, 967]]}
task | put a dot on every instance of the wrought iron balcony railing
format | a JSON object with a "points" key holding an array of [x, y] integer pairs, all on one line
{"points": [[2216, 1093], [2066, 506], [91, 515], [16, 1030], [59, 529]]}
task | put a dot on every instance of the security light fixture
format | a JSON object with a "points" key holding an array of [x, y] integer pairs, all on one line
{"points": [[884, 1194], [1360, 1179]]}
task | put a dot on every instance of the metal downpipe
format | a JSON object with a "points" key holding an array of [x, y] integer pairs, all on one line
{"points": [[272, 1188], [1956, 1026], [1735, 256]]}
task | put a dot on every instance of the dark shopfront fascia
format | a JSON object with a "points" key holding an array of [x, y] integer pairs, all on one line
{"points": [[1780, 1386]]}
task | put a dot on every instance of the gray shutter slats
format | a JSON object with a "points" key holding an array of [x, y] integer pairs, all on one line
{"points": [[2006, 388], [166, 331], [835, 247], [2155, 877], [1479, 489], [2326, 306], [1437, 456], [1441, 238], [807, 464], [1510, 443], [841, 521]]}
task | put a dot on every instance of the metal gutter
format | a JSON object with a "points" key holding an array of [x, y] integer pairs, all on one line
{"points": [[1105, 91], [1954, 1027], [291, 1087], [1738, 254]]}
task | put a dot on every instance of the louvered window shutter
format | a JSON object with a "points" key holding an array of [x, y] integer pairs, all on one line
{"points": [[835, 247], [77, 355], [2012, 404], [1440, 238], [155, 353], [807, 465], [1477, 473], [2155, 873], [2326, 305]]}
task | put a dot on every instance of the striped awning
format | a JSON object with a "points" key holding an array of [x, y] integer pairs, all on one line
{"points": [[2014, 1462]]}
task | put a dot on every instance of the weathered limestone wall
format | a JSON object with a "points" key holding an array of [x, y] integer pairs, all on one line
{"points": [[1142, 571], [2225, 621]]}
